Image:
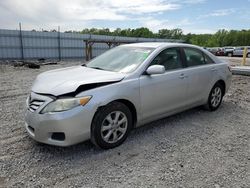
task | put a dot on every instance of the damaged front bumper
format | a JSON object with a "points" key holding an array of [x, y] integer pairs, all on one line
{"points": [[60, 128]]}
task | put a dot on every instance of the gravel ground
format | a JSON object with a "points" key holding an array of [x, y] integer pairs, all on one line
{"points": [[195, 148], [235, 60]]}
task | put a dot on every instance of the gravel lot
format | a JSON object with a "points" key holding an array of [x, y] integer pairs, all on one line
{"points": [[195, 148]]}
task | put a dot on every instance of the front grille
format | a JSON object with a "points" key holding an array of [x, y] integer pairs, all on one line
{"points": [[35, 104]]}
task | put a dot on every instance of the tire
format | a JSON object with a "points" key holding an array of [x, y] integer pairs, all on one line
{"points": [[106, 131], [230, 54], [248, 55], [215, 97]]}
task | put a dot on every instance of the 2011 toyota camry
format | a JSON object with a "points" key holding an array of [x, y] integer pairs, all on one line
{"points": [[123, 88]]}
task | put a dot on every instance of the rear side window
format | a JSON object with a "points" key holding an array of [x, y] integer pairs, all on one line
{"points": [[170, 58], [194, 57]]}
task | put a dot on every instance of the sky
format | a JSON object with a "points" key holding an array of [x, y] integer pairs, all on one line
{"points": [[195, 16]]}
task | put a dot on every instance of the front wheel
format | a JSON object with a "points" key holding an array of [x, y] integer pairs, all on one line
{"points": [[111, 125], [215, 97]]}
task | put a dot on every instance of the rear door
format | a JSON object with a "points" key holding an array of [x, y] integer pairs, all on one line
{"points": [[162, 93], [200, 71]]}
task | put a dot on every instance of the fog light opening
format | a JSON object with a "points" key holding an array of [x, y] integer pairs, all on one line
{"points": [[58, 136], [31, 129]]}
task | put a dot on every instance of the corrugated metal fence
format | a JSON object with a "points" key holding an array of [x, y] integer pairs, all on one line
{"points": [[54, 45]]}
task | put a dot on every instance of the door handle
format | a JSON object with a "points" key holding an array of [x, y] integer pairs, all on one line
{"points": [[213, 69], [182, 76]]}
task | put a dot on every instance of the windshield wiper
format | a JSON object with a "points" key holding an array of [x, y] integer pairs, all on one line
{"points": [[97, 68]]}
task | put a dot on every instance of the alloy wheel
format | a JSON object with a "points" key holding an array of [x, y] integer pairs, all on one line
{"points": [[114, 126], [216, 97]]}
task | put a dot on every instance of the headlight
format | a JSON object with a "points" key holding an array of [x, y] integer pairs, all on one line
{"points": [[65, 104]]}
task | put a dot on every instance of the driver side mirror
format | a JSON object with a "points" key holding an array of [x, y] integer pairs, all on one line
{"points": [[155, 69]]}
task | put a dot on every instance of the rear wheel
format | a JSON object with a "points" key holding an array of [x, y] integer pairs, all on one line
{"points": [[215, 97], [111, 125]]}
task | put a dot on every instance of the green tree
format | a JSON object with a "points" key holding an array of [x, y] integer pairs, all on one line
{"points": [[220, 38]]}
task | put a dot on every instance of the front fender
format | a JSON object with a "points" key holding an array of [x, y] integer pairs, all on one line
{"points": [[126, 90]]}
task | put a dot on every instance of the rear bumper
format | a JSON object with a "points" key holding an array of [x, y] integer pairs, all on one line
{"points": [[74, 124]]}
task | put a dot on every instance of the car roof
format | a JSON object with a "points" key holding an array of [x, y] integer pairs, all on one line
{"points": [[159, 45]]}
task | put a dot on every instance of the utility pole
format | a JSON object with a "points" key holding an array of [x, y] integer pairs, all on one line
{"points": [[59, 44], [21, 40]]}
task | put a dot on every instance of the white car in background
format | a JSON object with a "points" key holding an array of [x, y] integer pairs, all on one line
{"points": [[228, 51], [240, 50]]}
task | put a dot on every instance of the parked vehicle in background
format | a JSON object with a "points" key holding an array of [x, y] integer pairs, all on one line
{"points": [[219, 52], [125, 87], [228, 51], [213, 50], [240, 50]]}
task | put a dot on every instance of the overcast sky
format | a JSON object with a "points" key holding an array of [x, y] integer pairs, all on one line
{"points": [[196, 16]]}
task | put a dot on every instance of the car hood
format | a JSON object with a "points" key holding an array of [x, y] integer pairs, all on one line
{"points": [[67, 80]]}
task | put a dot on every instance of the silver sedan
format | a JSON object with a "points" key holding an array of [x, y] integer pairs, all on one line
{"points": [[124, 88]]}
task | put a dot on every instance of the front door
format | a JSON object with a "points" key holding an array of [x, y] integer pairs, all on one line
{"points": [[163, 93]]}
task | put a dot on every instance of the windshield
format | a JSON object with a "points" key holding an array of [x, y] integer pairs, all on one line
{"points": [[120, 59]]}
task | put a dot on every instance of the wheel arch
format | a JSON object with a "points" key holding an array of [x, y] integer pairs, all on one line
{"points": [[131, 107], [129, 104], [223, 84]]}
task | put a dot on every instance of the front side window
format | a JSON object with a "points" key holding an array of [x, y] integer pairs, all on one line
{"points": [[169, 58], [194, 57], [208, 60]]}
